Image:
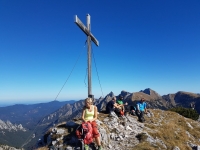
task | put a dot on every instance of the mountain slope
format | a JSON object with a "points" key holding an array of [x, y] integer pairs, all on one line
{"points": [[29, 115], [184, 99], [153, 99], [26, 116], [9, 126]]}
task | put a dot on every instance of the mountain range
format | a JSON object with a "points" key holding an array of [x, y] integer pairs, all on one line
{"points": [[153, 99], [70, 111], [18, 122], [29, 115]]}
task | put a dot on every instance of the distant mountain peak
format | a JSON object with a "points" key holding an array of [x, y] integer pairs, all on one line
{"points": [[150, 92], [111, 94], [147, 91], [125, 94], [187, 93]]}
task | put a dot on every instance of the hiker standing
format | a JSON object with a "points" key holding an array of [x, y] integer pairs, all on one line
{"points": [[141, 109], [89, 114], [111, 105]]}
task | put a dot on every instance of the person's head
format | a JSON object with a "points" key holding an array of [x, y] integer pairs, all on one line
{"points": [[121, 97], [114, 99], [88, 102], [142, 99]]}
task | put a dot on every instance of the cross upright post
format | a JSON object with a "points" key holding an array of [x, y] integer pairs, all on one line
{"points": [[89, 59], [90, 37]]}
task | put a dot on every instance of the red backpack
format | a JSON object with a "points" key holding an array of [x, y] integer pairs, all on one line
{"points": [[84, 131]]}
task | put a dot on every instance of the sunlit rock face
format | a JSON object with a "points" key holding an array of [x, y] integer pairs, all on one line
{"points": [[11, 127], [6, 147]]}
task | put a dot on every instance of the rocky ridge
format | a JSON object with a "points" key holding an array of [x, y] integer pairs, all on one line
{"points": [[153, 99], [11, 127], [5, 147], [161, 130]]}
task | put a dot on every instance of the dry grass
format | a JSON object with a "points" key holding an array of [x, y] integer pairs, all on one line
{"points": [[43, 148], [145, 146], [171, 129]]}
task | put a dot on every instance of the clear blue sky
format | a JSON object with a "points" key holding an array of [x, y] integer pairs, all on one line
{"points": [[143, 44]]}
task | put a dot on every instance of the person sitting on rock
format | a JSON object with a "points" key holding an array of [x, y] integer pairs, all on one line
{"points": [[141, 109], [89, 114], [121, 105], [111, 106]]}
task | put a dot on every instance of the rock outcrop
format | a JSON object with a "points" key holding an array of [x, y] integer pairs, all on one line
{"points": [[6, 147], [152, 93], [161, 130], [11, 127]]}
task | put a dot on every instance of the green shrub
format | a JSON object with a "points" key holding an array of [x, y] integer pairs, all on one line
{"points": [[186, 112]]}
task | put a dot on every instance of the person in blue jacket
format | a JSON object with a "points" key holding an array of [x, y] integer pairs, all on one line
{"points": [[141, 109]]}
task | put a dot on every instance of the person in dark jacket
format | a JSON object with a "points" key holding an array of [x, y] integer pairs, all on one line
{"points": [[111, 105]]}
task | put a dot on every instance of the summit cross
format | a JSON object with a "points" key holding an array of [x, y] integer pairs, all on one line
{"points": [[90, 37]]}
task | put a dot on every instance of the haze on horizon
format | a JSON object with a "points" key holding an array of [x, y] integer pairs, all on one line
{"points": [[143, 44]]}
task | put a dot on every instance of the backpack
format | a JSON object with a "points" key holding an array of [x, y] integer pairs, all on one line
{"points": [[84, 131]]}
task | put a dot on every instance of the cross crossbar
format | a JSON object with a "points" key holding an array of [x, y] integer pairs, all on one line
{"points": [[85, 30]]}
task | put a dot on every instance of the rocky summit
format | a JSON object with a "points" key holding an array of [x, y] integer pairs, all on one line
{"points": [[161, 130]]}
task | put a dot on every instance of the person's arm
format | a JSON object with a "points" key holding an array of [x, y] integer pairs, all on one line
{"points": [[83, 115], [126, 103], [138, 108], [116, 105], [123, 108], [145, 109], [120, 105]]}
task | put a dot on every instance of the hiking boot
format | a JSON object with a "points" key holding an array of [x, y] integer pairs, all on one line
{"points": [[86, 147], [100, 148], [142, 120]]}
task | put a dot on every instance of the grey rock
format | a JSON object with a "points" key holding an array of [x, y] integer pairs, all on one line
{"points": [[176, 148], [198, 118], [196, 147], [11, 127]]}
